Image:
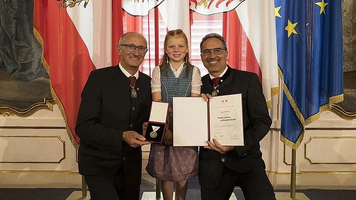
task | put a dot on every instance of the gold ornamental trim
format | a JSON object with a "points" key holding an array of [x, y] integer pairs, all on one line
{"points": [[28, 136], [39, 171], [339, 111], [312, 172], [304, 122], [326, 137], [54, 95]]}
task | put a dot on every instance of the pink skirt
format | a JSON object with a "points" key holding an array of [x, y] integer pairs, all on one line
{"points": [[172, 163]]}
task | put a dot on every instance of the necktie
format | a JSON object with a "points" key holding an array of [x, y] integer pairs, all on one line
{"points": [[132, 81], [216, 81]]}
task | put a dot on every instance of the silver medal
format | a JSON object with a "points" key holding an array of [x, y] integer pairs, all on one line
{"points": [[153, 134], [133, 93]]}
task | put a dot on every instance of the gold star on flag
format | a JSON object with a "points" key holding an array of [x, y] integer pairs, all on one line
{"points": [[322, 5], [276, 11], [290, 28]]}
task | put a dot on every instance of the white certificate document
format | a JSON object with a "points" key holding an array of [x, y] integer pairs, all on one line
{"points": [[196, 121], [226, 120], [190, 121]]}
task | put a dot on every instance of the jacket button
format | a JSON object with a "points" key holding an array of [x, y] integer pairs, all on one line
{"points": [[222, 159], [131, 125], [133, 108], [124, 158]]}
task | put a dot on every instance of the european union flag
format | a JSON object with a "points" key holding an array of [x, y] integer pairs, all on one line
{"points": [[309, 46]]}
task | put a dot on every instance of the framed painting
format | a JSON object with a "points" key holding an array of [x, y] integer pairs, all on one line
{"points": [[24, 80], [347, 108]]}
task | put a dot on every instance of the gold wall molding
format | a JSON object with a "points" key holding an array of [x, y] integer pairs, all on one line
{"points": [[267, 171], [313, 172], [339, 139], [284, 155], [319, 128], [7, 110], [305, 150], [339, 111], [33, 127], [38, 137], [39, 171]]}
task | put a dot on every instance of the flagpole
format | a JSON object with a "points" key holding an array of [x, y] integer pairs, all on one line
{"points": [[156, 29], [158, 189], [293, 178], [84, 188]]}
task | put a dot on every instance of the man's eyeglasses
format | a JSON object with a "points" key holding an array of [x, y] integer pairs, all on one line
{"points": [[217, 51], [132, 48]]}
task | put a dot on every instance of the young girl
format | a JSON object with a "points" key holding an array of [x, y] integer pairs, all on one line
{"points": [[174, 77]]}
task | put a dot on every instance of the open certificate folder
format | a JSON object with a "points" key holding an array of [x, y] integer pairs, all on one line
{"points": [[196, 121]]}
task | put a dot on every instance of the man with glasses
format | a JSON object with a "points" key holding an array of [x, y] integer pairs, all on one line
{"points": [[221, 168], [115, 103]]}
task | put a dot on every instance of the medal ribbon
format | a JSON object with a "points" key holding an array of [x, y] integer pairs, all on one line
{"points": [[132, 85]]}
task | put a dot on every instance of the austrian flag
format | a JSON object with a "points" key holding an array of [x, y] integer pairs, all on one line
{"points": [[80, 36]]}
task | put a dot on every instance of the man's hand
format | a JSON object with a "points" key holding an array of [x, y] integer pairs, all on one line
{"points": [[168, 138], [216, 146], [134, 139], [206, 97], [144, 128]]}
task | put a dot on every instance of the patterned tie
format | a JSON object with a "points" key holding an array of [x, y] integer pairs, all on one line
{"points": [[216, 81], [132, 81]]}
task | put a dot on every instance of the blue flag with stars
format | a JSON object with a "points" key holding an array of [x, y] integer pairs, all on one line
{"points": [[309, 48]]}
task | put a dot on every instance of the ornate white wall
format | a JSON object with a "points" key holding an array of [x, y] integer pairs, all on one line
{"points": [[36, 151]]}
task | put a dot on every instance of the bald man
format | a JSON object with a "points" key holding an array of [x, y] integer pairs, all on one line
{"points": [[115, 103]]}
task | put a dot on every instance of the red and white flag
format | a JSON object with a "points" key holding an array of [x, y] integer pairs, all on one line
{"points": [[257, 19], [248, 27], [76, 38], [79, 36]]}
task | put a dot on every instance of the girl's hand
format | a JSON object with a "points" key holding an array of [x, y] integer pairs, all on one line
{"points": [[168, 138]]}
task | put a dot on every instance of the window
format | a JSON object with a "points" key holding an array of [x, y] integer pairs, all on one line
{"points": [[201, 26]]}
